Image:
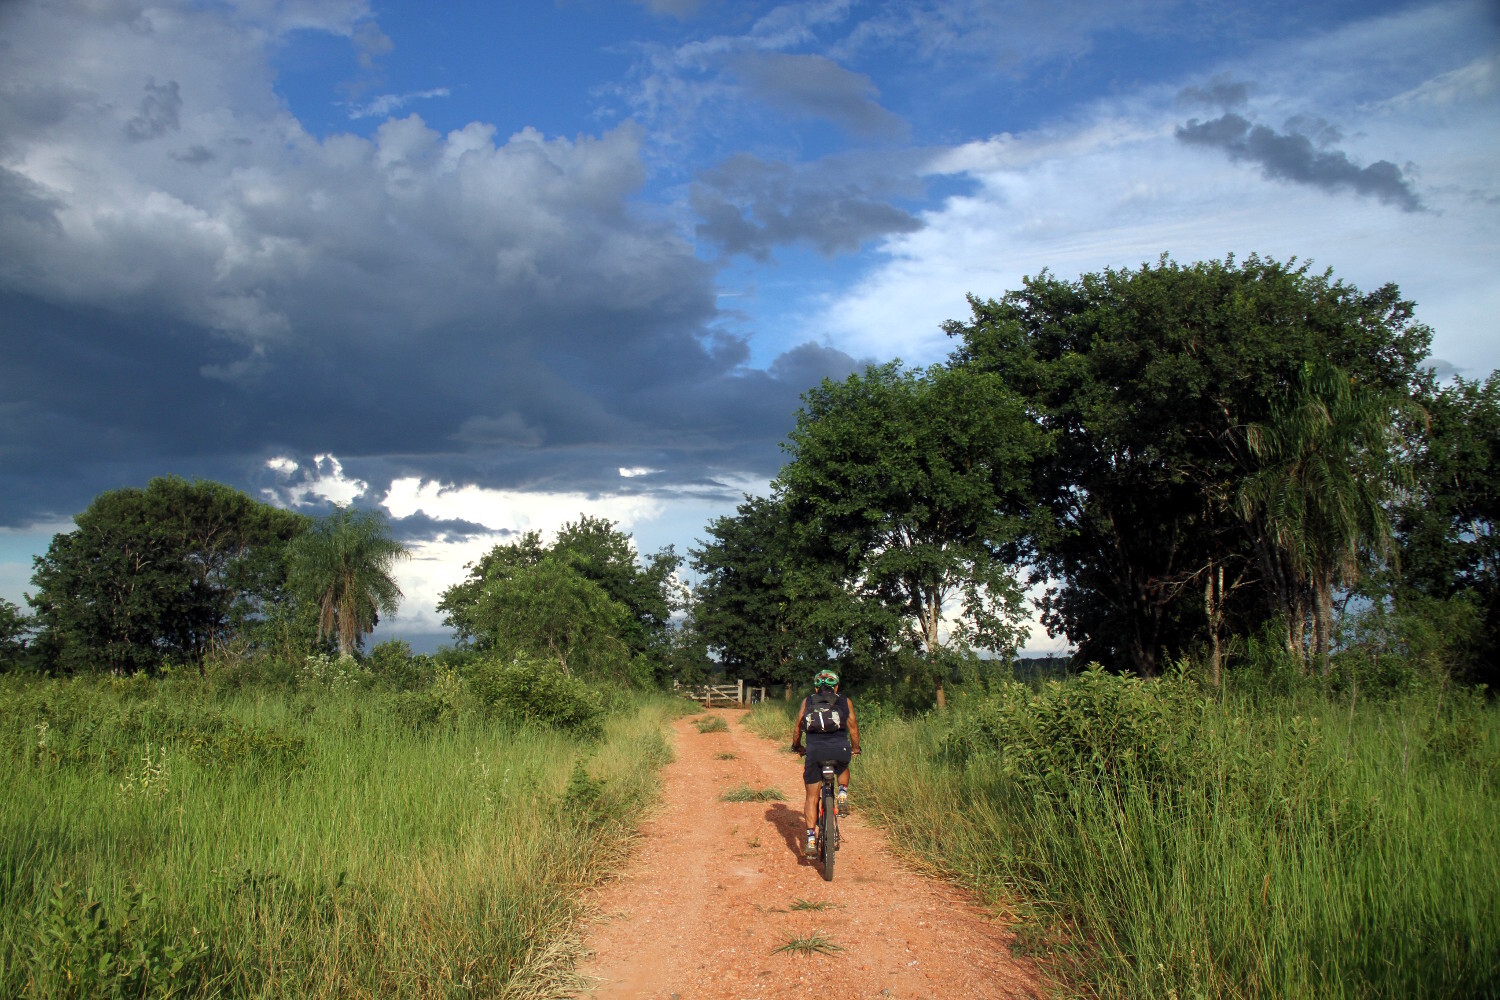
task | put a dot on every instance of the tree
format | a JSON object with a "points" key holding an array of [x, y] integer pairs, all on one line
{"points": [[1448, 526], [460, 603], [595, 550], [168, 571], [15, 627], [915, 486], [767, 612], [343, 565], [1328, 471], [551, 610], [601, 552], [1148, 379]]}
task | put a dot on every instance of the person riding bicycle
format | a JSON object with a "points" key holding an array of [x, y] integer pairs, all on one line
{"points": [[827, 720]]}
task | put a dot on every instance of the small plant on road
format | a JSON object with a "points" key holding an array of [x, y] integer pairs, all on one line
{"points": [[810, 904], [814, 944], [726, 755], [744, 793], [712, 724]]}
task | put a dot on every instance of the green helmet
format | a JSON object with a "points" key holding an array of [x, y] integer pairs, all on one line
{"points": [[825, 678]]}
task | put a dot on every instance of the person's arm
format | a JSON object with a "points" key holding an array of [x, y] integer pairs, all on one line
{"points": [[797, 729], [853, 729]]}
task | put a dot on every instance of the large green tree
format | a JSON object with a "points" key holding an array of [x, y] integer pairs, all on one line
{"points": [[915, 486], [766, 611], [1148, 380], [164, 572], [344, 565]]}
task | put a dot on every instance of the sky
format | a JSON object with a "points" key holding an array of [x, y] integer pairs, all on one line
{"points": [[487, 267]]}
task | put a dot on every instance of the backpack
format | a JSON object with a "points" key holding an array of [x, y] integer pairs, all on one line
{"points": [[823, 714]]}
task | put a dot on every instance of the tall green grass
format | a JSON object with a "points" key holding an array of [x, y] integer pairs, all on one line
{"points": [[170, 839], [1155, 841]]}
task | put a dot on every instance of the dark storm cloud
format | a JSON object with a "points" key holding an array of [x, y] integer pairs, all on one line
{"points": [[750, 206], [159, 112], [1292, 156], [423, 528], [461, 307], [818, 87]]}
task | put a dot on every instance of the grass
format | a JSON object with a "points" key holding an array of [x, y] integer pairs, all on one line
{"points": [[1274, 847], [809, 904], [726, 755], [744, 793], [813, 944], [166, 837], [712, 724]]}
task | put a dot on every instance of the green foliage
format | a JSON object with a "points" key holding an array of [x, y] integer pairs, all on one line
{"points": [[583, 602], [378, 859], [1447, 527], [1107, 730], [166, 573], [1148, 380], [82, 949], [15, 628], [536, 691], [769, 614], [1159, 841], [744, 793], [342, 566], [711, 724], [914, 487]]}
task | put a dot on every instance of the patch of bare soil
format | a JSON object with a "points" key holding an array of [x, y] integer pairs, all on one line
{"points": [[714, 888]]}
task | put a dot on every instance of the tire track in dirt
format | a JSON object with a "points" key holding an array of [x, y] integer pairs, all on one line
{"points": [[707, 894]]}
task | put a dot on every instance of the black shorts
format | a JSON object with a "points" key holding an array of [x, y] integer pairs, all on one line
{"points": [[812, 770]]}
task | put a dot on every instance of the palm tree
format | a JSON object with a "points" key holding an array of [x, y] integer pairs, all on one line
{"points": [[343, 564], [1328, 470]]}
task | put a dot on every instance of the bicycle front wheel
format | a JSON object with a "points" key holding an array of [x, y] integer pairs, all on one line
{"points": [[828, 834]]}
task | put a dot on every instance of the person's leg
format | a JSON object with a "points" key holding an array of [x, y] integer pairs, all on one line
{"points": [[810, 807]]}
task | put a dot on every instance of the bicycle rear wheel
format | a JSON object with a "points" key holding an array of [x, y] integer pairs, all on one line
{"points": [[828, 833]]}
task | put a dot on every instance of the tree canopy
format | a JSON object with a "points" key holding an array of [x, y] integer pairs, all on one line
{"points": [[164, 572], [1149, 381]]}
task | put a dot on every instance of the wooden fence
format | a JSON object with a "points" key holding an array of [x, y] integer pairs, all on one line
{"points": [[710, 695]]}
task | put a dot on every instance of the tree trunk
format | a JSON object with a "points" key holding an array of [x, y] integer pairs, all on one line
{"points": [[1213, 606], [1322, 622], [942, 696], [788, 695]]}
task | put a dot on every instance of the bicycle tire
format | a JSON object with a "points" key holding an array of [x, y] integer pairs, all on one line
{"points": [[828, 833]]}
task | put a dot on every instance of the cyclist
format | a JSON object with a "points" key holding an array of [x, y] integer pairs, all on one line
{"points": [[827, 720]]}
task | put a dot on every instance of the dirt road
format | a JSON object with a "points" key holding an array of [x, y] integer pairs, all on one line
{"points": [[715, 888]]}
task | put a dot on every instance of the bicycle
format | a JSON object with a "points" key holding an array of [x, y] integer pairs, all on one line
{"points": [[828, 818]]}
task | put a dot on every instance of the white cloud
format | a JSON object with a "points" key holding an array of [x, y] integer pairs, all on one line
{"points": [[1114, 187], [324, 481], [512, 510], [637, 470], [383, 105]]}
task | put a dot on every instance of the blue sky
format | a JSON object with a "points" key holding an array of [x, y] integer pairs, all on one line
{"points": [[489, 266]]}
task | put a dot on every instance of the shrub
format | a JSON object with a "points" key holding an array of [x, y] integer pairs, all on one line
{"points": [[1098, 727], [536, 691]]}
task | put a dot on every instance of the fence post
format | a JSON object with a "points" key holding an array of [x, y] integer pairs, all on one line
{"points": [[740, 688]]}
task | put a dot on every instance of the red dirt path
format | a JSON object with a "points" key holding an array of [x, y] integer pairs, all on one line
{"points": [[706, 899]]}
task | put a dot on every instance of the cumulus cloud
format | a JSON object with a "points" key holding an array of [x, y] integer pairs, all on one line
{"points": [[1292, 156], [322, 482], [750, 206]]}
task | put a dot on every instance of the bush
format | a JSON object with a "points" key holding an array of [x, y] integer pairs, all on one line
{"points": [[1097, 727], [536, 691]]}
